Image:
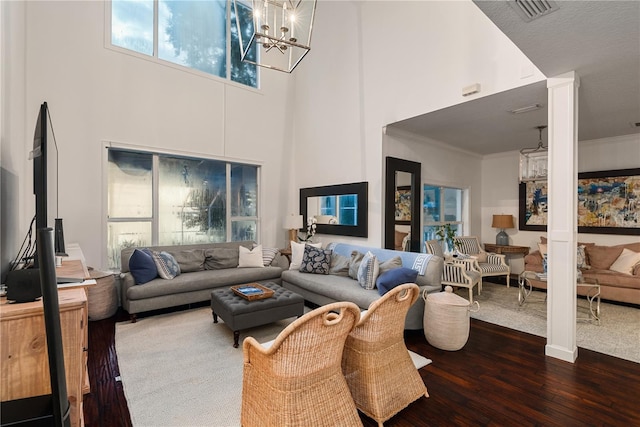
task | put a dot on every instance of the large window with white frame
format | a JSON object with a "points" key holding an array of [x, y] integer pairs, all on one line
{"points": [[162, 199], [443, 205], [197, 34]]}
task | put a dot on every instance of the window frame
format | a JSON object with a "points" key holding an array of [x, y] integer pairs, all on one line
{"points": [[156, 60], [462, 225], [154, 219]]}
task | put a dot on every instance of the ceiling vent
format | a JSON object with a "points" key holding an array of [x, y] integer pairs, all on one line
{"points": [[529, 10]]}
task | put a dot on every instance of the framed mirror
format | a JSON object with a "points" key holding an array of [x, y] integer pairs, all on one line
{"points": [[402, 204], [338, 209]]}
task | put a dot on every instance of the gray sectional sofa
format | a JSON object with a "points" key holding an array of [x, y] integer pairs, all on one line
{"points": [[201, 273], [324, 289]]}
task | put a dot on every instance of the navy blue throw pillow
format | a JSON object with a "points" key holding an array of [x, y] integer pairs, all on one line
{"points": [[395, 277], [142, 267]]}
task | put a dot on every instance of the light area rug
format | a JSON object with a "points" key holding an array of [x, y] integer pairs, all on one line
{"points": [[180, 369], [617, 335]]}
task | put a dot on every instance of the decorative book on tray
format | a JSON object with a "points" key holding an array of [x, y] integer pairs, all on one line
{"points": [[252, 291]]}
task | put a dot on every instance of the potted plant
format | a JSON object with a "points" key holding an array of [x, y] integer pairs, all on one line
{"points": [[446, 233]]}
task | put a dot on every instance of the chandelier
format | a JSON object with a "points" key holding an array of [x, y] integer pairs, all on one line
{"points": [[533, 161], [274, 34]]}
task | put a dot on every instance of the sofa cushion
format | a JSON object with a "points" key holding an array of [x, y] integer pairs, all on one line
{"points": [[395, 277], [354, 264], [142, 267], [395, 262], [315, 260], [251, 258], [166, 264], [601, 257], [626, 262], [218, 258], [368, 271], [189, 260], [202, 280], [339, 265]]}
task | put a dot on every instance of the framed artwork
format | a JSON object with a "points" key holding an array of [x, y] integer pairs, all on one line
{"points": [[608, 203], [403, 205]]}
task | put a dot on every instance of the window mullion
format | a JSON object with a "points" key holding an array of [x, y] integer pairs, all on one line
{"points": [[227, 205], [228, 44], [155, 202], [156, 5]]}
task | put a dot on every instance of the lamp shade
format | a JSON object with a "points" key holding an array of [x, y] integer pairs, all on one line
{"points": [[502, 221], [293, 222]]}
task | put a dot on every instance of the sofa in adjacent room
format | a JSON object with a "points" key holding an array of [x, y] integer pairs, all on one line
{"points": [[617, 269], [203, 267], [338, 285]]}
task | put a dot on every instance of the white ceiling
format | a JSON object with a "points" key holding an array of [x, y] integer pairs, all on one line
{"points": [[600, 40]]}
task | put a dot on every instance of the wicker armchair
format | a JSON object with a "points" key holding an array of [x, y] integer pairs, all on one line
{"points": [[376, 363], [487, 263], [461, 273], [298, 381]]}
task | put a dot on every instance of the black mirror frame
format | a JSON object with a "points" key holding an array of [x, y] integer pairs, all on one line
{"points": [[394, 165], [361, 189]]}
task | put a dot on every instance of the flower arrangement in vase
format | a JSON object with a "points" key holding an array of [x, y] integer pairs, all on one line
{"points": [[446, 233], [311, 230]]}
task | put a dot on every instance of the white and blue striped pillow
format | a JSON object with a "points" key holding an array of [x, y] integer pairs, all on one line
{"points": [[167, 266], [368, 271]]}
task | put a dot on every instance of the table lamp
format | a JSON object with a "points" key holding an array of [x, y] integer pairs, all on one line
{"points": [[293, 223], [502, 222]]}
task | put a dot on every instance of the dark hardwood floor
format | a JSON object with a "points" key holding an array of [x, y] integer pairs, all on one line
{"points": [[500, 378]]}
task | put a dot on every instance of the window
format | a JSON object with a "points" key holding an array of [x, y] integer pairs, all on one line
{"points": [[344, 208], [157, 199], [194, 34], [443, 205]]}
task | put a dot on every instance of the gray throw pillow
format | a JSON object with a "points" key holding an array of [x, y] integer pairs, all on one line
{"points": [[220, 258], [189, 260], [339, 265], [354, 264], [395, 262]]}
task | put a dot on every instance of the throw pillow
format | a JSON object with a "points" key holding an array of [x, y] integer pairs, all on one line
{"points": [[354, 264], [268, 255], [542, 247], [297, 252], [189, 260], [581, 258], [221, 258], [626, 261], [142, 267], [395, 277], [339, 265], [368, 271], [315, 260], [389, 264], [166, 264], [250, 257], [601, 257]]}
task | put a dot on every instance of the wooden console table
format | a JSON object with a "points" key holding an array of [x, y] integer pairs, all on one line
{"points": [[24, 363], [506, 249]]}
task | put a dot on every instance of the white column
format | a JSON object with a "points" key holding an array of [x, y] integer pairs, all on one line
{"points": [[562, 216]]}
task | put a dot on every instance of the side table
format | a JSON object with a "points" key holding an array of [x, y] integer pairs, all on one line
{"points": [[506, 249]]}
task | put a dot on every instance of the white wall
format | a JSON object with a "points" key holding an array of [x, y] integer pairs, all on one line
{"points": [[374, 63], [96, 94], [500, 185]]}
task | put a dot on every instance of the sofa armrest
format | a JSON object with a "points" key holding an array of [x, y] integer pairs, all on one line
{"points": [[533, 258], [127, 281]]}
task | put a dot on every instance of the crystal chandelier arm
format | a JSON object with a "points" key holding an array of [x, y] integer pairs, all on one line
{"points": [[540, 146]]}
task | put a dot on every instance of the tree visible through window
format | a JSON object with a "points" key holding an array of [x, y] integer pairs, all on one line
{"points": [[189, 33], [156, 199]]}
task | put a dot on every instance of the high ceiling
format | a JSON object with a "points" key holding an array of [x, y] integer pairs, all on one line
{"points": [[600, 40]]}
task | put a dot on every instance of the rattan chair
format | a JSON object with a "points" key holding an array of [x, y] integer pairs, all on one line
{"points": [[460, 273], [494, 265], [298, 381], [376, 363]]}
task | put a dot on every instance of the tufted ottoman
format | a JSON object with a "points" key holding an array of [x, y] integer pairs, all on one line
{"points": [[239, 313]]}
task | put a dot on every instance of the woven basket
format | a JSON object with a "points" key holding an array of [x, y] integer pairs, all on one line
{"points": [[103, 297], [446, 319]]}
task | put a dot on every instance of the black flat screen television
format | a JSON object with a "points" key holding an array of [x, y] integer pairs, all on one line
{"points": [[40, 170]]}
